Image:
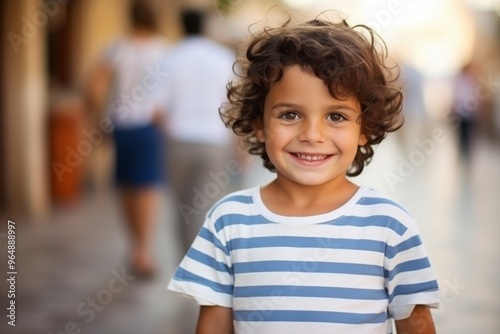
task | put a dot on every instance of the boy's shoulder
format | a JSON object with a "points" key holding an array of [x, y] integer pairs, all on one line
{"points": [[383, 210], [373, 197], [234, 201]]}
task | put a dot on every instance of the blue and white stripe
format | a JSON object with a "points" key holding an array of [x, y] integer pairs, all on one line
{"points": [[348, 271]]}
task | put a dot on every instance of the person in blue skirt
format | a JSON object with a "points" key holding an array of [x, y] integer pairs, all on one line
{"points": [[130, 68]]}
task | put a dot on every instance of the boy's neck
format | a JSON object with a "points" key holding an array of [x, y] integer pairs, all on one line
{"points": [[292, 199]]}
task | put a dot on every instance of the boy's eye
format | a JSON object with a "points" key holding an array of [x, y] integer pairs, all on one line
{"points": [[337, 118], [289, 116]]}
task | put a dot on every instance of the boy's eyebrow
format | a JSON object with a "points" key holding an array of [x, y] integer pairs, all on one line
{"points": [[340, 105], [285, 105]]}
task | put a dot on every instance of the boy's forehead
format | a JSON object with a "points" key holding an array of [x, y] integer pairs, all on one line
{"points": [[294, 72], [298, 82]]}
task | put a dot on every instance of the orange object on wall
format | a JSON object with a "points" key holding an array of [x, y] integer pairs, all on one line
{"points": [[66, 123]]}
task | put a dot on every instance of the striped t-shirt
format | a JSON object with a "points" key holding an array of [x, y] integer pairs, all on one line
{"points": [[347, 271]]}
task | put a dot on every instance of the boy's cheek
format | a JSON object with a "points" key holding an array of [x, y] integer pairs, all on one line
{"points": [[269, 134], [265, 134]]}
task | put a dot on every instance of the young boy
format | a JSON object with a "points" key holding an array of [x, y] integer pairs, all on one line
{"points": [[310, 252]]}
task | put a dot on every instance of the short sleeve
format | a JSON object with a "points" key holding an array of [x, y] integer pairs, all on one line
{"points": [[410, 279], [205, 273]]}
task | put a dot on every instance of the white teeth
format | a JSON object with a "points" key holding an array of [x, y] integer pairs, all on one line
{"points": [[311, 157]]}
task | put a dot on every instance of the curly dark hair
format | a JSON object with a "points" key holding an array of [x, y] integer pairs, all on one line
{"points": [[349, 62]]}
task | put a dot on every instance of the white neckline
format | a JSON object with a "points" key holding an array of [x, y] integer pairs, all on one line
{"points": [[314, 219]]}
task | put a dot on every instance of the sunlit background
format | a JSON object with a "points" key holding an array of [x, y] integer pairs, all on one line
{"points": [[70, 239]]}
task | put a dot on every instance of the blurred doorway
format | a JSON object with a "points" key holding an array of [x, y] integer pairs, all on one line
{"points": [[65, 114], [63, 45]]}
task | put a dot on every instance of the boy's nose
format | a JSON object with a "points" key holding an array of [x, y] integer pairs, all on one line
{"points": [[313, 131]]}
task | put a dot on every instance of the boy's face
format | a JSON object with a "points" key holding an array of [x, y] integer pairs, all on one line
{"points": [[310, 137]]}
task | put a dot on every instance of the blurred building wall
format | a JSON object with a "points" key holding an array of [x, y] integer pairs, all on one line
{"points": [[2, 118], [24, 98]]}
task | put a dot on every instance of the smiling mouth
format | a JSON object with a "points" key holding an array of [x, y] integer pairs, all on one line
{"points": [[311, 157]]}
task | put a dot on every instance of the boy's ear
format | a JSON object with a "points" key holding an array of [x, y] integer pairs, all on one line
{"points": [[362, 140], [258, 128]]}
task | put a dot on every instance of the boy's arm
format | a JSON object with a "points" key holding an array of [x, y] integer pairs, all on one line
{"points": [[420, 321], [215, 320]]}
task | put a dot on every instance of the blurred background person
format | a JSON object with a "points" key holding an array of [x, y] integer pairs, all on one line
{"points": [[127, 77], [466, 107], [199, 146], [414, 109]]}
